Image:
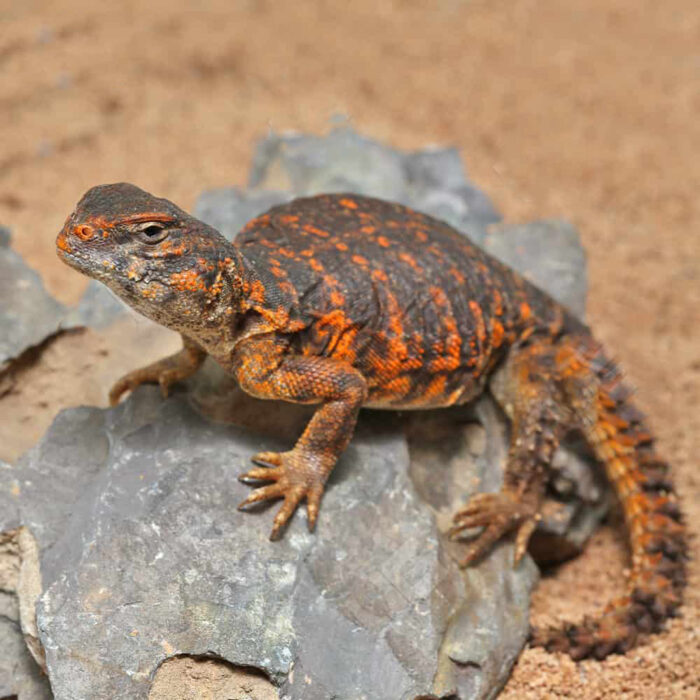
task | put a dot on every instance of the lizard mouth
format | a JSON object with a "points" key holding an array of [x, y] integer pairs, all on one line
{"points": [[81, 262]]}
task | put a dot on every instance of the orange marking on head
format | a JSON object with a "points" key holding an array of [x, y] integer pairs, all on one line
{"points": [[307, 252], [160, 217], [289, 219], [84, 233], [278, 272], [62, 243], [286, 252], [341, 246], [525, 311], [422, 236], [349, 203], [379, 275], [368, 229], [150, 291], [360, 260], [257, 292], [383, 241], [187, 281]]}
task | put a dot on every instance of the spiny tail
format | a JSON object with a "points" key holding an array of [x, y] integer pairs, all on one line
{"points": [[620, 440]]}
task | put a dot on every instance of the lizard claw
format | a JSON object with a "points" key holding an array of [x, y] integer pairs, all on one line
{"points": [[293, 480], [498, 514], [164, 378]]}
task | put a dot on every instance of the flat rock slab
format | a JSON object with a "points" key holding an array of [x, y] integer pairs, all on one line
{"points": [[28, 313], [432, 180], [144, 558], [549, 254], [134, 512]]}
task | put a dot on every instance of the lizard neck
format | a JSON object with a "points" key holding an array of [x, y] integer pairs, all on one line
{"points": [[237, 294]]}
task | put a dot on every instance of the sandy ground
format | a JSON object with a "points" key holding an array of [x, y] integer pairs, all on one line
{"points": [[586, 109]]}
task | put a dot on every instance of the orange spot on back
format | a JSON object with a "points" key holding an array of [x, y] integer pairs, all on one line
{"points": [[337, 298], [315, 265], [436, 387], [497, 333], [316, 231], [410, 261], [479, 318], [349, 203]]}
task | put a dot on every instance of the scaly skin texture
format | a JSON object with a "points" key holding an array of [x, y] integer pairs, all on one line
{"points": [[345, 301]]}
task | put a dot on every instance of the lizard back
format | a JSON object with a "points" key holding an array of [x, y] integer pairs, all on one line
{"points": [[415, 305]]}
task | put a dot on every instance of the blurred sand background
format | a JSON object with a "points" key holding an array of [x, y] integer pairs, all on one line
{"points": [[586, 109]]}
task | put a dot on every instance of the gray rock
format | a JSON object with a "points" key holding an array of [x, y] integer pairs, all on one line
{"points": [[343, 161], [438, 186], [431, 180], [229, 209], [134, 512], [28, 313], [20, 676], [549, 254]]}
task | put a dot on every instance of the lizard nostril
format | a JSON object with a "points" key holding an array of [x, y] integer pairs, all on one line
{"points": [[85, 233]]}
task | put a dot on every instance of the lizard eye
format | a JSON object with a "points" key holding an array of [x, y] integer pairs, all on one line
{"points": [[152, 232]]}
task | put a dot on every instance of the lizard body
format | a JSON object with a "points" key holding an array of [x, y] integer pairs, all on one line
{"points": [[346, 301]]}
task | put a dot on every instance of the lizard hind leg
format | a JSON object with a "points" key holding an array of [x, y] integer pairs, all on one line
{"points": [[529, 393]]}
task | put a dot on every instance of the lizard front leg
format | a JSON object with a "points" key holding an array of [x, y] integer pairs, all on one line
{"points": [[265, 370], [164, 372]]}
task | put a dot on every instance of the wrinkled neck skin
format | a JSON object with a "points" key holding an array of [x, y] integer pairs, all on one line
{"points": [[207, 303]]}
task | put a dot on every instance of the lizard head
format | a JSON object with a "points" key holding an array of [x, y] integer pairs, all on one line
{"points": [[160, 260]]}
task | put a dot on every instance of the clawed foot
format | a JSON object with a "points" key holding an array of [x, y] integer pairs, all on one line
{"points": [[295, 478], [147, 375], [498, 514], [164, 372]]}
